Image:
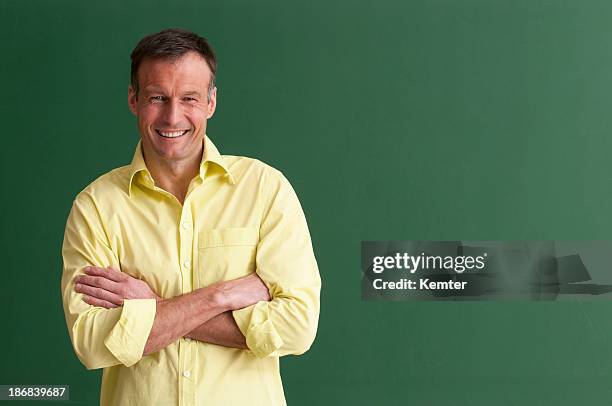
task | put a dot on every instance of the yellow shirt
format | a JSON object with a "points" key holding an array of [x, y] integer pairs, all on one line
{"points": [[240, 216]]}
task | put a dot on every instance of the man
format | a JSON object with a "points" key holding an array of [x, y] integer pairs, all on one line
{"points": [[187, 274]]}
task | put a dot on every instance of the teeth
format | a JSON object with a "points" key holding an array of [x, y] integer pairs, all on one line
{"points": [[171, 134]]}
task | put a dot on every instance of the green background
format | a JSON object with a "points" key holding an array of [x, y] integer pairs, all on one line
{"points": [[394, 120]]}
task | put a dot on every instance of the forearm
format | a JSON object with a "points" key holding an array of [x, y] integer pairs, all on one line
{"points": [[220, 330], [178, 316]]}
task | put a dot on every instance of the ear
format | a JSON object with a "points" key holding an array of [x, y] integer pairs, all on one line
{"points": [[132, 100], [212, 104]]}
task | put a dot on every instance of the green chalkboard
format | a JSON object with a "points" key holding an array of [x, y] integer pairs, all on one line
{"points": [[394, 120]]}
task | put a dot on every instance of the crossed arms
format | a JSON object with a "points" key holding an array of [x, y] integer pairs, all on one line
{"points": [[275, 317], [175, 318]]}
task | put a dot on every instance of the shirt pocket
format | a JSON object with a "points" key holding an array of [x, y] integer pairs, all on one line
{"points": [[225, 253]]}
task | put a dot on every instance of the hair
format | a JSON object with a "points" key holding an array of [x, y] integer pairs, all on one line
{"points": [[172, 44]]}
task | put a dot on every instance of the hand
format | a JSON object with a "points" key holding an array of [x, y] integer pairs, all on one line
{"points": [[108, 288], [243, 292]]}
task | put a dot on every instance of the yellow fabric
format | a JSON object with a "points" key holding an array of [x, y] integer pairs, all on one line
{"points": [[239, 216]]}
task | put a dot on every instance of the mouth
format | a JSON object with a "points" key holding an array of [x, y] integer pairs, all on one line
{"points": [[172, 133]]}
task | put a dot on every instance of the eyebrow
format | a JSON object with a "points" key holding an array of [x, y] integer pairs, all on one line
{"points": [[157, 89]]}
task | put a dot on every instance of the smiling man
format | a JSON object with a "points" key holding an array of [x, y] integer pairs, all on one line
{"points": [[187, 273]]}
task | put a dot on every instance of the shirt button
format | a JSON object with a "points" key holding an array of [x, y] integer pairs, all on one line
{"points": [[187, 339], [187, 264], [185, 225], [186, 374]]}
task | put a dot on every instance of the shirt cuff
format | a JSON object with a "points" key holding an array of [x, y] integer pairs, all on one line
{"points": [[255, 324], [126, 341]]}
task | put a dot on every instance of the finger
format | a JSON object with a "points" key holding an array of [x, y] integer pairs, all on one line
{"points": [[99, 282], [117, 275], [264, 288], [108, 273], [98, 302], [100, 294]]}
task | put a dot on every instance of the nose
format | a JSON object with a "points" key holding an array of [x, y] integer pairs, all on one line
{"points": [[172, 113]]}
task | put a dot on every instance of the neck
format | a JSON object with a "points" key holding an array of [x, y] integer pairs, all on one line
{"points": [[174, 176]]}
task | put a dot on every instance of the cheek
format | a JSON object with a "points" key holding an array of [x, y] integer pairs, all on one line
{"points": [[147, 115], [198, 119]]}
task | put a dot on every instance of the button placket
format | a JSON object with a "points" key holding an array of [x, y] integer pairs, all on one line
{"points": [[186, 243]]}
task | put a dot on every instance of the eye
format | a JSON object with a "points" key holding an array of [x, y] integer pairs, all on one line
{"points": [[156, 99], [190, 99]]}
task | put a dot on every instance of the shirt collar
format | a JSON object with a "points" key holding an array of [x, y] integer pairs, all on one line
{"points": [[211, 155]]}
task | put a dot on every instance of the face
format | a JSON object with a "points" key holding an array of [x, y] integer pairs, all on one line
{"points": [[172, 107]]}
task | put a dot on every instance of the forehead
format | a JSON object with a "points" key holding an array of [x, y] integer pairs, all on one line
{"points": [[188, 71]]}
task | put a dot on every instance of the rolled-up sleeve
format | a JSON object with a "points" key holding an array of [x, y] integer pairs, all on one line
{"points": [[285, 261], [100, 337]]}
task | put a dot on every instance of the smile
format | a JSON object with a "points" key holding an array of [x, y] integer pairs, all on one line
{"points": [[171, 134]]}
